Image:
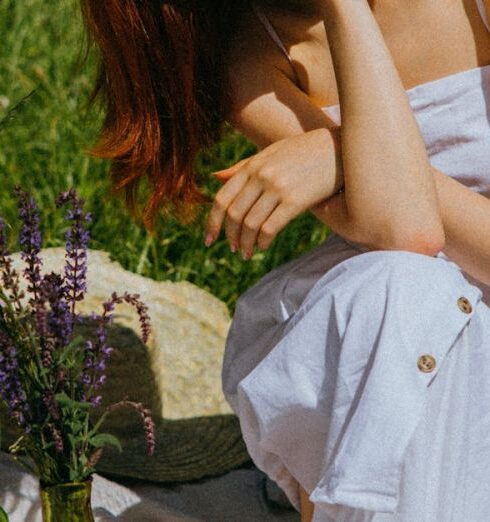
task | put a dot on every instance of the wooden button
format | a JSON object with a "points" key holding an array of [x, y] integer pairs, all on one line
{"points": [[464, 305], [426, 363]]}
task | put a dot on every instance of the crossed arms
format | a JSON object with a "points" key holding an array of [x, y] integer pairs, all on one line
{"points": [[394, 198]]}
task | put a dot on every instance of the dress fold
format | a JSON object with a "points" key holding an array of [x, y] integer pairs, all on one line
{"points": [[343, 388]]}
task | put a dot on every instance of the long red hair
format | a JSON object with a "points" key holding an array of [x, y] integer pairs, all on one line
{"points": [[162, 79]]}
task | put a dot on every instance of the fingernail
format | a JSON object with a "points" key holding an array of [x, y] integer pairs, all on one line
{"points": [[246, 255], [233, 247], [208, 240]]}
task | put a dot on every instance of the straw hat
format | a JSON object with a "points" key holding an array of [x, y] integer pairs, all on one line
{"points": [[186, 449], [177, 375]]}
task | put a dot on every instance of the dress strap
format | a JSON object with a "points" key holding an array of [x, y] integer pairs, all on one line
{"points": [[483, 13], [270, 30]]}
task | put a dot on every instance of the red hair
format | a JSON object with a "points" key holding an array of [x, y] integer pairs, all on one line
{"points": [[162, 79]]}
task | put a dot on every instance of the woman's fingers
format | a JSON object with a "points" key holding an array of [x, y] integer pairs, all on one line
{"points": [[278, 219], [237, 211], [225, 174], [251, 216], [254, 220], [225, 195]]}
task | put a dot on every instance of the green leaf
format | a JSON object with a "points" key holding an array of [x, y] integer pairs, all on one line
{"points": [[70, 350], [64, 401], [98, 424], [102, 439], [77, 427], [3, 516], [73, 440], [73, 474]]}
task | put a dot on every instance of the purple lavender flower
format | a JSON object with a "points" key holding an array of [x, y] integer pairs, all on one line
{"points": [[98, 352], [96, 401], [51, 405], [11, 390], [77, 240], [141, 308], [30, 240], [54, 325], [148, 422], [60, 321], [58, 441]]}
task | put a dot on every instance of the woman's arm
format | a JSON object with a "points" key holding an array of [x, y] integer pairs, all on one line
{"points": [[381, 211], [300, 169], [466, 219], [390, 196], [275, 109]]}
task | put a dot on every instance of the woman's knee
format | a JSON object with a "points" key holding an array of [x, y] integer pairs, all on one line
{"points": [[369, 276]]}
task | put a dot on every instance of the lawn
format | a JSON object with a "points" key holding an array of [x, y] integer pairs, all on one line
{"points": [[46, 129]]}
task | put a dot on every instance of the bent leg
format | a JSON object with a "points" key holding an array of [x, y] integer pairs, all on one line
{"points": [[350, 375], [306, 506]]}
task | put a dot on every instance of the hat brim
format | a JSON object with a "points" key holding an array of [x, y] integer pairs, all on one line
{"points": [[186, 449]]}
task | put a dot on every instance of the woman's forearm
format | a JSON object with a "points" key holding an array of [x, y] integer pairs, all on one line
{"points": [[389, 194], [465, 216]]}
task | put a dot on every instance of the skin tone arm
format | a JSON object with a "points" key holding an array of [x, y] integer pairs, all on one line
{"points": [[465, 214], [275, 111], [390, 196], [392, 204]]}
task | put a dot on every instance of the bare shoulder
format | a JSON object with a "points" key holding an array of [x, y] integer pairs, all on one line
{"points": [[267, 105], [252, 57]]}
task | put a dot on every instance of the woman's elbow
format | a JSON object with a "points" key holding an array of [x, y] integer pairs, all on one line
{"points": [[425, 242], [430, 246], [428, 241]]}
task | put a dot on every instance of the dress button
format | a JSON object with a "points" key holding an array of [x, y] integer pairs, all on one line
{"points": [[464, 305], [426, 363]]}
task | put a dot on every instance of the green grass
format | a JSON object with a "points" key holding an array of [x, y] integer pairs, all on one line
{"points": [[43, 143]]}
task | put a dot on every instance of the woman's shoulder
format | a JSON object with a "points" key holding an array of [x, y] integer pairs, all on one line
{"points": [[252, 51]]}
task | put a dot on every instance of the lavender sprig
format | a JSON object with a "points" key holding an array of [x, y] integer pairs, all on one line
{"points": [[97, 353], [148, 423], [51, 404], [11, 390], [77, 239], [59, 318], [30, 240], [58, 440]]}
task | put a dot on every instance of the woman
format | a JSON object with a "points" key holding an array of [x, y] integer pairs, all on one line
{"points": [[359, 371]]}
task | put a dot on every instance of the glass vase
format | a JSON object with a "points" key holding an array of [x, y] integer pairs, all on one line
{"points": [[3, 515], [67, 502]]}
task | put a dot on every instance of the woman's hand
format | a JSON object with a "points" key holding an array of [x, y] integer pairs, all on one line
{"points": [[263, 193]]}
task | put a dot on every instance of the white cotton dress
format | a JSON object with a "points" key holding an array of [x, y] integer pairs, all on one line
{"points": [[364, 375]]}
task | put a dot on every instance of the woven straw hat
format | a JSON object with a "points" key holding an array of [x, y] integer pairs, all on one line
{"points": [[186, 448], [176, 375]]}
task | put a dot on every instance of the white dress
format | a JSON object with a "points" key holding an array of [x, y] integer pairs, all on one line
{"points": [[363, 375]]}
